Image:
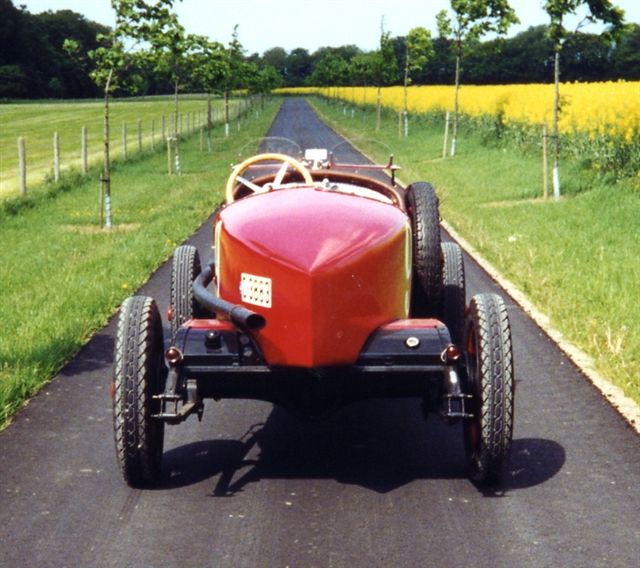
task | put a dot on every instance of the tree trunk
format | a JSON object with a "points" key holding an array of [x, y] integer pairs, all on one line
{"points": [[106, 166], [454, 136], [177, 111], [226, 113], [556, 134], [209, 122], [406, 103], [378, 108]]}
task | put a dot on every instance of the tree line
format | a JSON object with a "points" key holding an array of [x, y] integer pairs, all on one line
{"points": [[34, 63], [524, 58], [59, 54]]}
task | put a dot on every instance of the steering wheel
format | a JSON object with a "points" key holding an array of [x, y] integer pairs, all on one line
{"points": [[287, 161]]}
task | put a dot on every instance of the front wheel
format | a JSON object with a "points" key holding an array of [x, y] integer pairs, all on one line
{"points": [[490, 382], [139, 374]]}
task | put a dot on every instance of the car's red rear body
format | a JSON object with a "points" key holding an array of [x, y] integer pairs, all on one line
{"points": [[324, 268]]}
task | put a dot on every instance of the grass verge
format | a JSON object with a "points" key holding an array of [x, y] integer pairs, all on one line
{"points": [[576, 259], [62, 277]]}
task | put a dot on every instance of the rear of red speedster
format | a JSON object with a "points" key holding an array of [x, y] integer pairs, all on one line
{"points": [[326, 287], [323, 268]]}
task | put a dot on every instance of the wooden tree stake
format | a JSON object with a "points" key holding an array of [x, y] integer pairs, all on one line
{"points": [[22, 160], [56, 157]]}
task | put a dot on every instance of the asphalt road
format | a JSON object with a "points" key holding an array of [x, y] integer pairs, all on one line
{"points": [[371, 485]]}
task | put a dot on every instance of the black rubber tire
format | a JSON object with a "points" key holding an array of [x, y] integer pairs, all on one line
{"points": [[139, 374], [184, 269], [422, 206], [490, 381], [453, 301]]}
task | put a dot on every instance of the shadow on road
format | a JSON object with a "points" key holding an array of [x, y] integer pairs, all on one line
{"points": [[95, 355], [378, 445]]}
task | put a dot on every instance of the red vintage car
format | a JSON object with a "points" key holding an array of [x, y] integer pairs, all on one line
{"points": [[328, 284]]}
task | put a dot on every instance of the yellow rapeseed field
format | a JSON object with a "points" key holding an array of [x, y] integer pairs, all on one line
{"points": [[607, 108]]}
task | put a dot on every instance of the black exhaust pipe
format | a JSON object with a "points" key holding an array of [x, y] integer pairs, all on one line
{"points": [[239, 315]]}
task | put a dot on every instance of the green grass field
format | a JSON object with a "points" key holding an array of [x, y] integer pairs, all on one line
{"points": [[577, 259], [37, 122], [61, 277]]}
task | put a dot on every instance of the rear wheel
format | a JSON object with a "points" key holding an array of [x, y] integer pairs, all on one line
{"points": [[422, 206], [139, 374], [184, 270], [490, 382], [453, 291]]}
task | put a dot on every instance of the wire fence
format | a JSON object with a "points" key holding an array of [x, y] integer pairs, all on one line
{"points": [[55, 139]]}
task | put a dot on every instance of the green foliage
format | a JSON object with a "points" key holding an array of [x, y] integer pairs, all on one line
{"points": [[384, 63], [239, 69], [599, 10], [209, 65], [471, 19], [362, 69], [32, 55], [419, 49], [331, 70], [13, 82], [265, 80]]}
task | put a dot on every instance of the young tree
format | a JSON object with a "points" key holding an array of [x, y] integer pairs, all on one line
{"points": [[558, 10], [137, 21], [470, 20], [361, 72], [210, 66], [263, 80], [170, 55], [238, 73], [385, 68], [418, 50], [330, 71]]}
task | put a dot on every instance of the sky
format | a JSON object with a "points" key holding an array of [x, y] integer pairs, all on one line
{"points": [[310, 24]]}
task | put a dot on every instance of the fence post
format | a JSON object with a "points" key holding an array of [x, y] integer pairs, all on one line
{"points": [[124, 140], [22, 160], [56, 156], [139, 135], [84, 150], [169, 161], [446, 135], [545, 163]]}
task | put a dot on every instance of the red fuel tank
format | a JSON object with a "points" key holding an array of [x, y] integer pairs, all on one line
{"points": [[324, 268]]}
